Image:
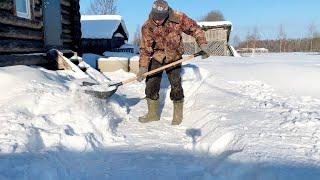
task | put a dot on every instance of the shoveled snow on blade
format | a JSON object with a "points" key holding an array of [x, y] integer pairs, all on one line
{"points": [[100, 88]]}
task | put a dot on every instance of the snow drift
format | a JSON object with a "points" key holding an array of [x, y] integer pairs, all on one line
{"points": [[43, 110]]}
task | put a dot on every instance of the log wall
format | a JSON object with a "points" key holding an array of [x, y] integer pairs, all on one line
{"points": [[21, 38], [20, 35], [71, 26]]}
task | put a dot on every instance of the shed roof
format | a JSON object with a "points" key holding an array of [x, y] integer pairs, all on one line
{"points": [[215, 23], [102, 26]]}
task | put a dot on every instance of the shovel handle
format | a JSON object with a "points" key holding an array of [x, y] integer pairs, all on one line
{"points": [[188, 58]]}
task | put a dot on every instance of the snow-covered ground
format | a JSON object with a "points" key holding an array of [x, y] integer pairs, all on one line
{"points": [[245, 118]]}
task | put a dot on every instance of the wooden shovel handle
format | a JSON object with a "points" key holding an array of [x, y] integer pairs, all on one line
{"points": [[188, 58]]}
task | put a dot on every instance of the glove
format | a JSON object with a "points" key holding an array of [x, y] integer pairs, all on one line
{"points": [[206, 52], [142, 71]]}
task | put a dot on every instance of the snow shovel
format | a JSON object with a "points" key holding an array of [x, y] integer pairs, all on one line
{"points": [[112, 88]]}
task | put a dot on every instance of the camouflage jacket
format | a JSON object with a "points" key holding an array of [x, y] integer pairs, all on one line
{"points": [[165, 41]]}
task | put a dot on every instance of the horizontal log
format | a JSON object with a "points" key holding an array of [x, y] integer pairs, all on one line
{"points": [[20, 46], [66, 41], [65, 3], [38, 12], [67, 36], [65, 21], [66, 31], [9, 31], [23, 59], [65, 12], [6, 5], [9, 19]]}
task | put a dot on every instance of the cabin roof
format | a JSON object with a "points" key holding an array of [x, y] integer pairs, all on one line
{"points": [[102, 26], [215, 24]]}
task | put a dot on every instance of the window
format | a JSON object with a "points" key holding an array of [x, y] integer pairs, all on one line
{"points": [[23, 8]]}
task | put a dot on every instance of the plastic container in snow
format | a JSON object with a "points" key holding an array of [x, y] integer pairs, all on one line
{"points": [[112, 64], [134, 64]]}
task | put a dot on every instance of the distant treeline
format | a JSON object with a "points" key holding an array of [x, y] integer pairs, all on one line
{"points": [[284, 45]]}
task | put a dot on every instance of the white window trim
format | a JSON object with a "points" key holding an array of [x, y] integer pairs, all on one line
{"points": [[26, 15]]}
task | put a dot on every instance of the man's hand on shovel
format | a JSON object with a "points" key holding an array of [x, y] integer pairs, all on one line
{"points": [[140, 75], [205, 51]]}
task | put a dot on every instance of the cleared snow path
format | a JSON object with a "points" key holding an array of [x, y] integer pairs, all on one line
{"points": [[248, 130]]}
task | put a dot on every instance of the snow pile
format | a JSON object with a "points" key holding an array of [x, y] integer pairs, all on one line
{"points": [[43, 110], [234, 51]]}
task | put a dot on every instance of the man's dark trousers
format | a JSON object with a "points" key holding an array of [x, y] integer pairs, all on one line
{"points": [[153, 82]]}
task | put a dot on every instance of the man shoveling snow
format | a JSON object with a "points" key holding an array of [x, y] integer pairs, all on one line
{"points": [[161, 44]]}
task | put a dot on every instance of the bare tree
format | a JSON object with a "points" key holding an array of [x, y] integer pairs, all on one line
{"points": [[102, 7], [236, 40], [255, 36], [248, 39], [282, 38], [312, 34], [252, 39], [213, 16], [137, 36]]}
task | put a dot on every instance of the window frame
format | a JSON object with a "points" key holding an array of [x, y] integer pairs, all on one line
{"points": [[26, 15]]}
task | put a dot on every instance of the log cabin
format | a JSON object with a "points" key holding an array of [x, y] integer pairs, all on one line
{"points": [[102, 33], [29, 28]]}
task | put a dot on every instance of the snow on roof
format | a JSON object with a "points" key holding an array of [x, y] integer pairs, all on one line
{"points": [[101, 26], [214, 23]]}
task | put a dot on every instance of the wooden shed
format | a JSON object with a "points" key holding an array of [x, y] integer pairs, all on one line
{"points": [[102, 33], [217, 34], [32, 27]]}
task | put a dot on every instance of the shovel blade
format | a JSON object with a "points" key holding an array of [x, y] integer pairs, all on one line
{"points": [[101, 94]]}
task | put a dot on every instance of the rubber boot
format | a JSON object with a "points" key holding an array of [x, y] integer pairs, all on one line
{"points": [[153, 112], [177, 112]]}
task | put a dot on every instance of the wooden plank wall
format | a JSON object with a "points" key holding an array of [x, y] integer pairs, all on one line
{"points": [[96, 46], [217, 37], [20, 35], [71, 26], [213, 34]]}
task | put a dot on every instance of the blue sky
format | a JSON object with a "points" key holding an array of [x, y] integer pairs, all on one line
{"points": [[267, 15]]}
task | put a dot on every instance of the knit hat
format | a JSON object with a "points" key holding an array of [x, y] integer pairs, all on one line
{"points": [[160, 10]]}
